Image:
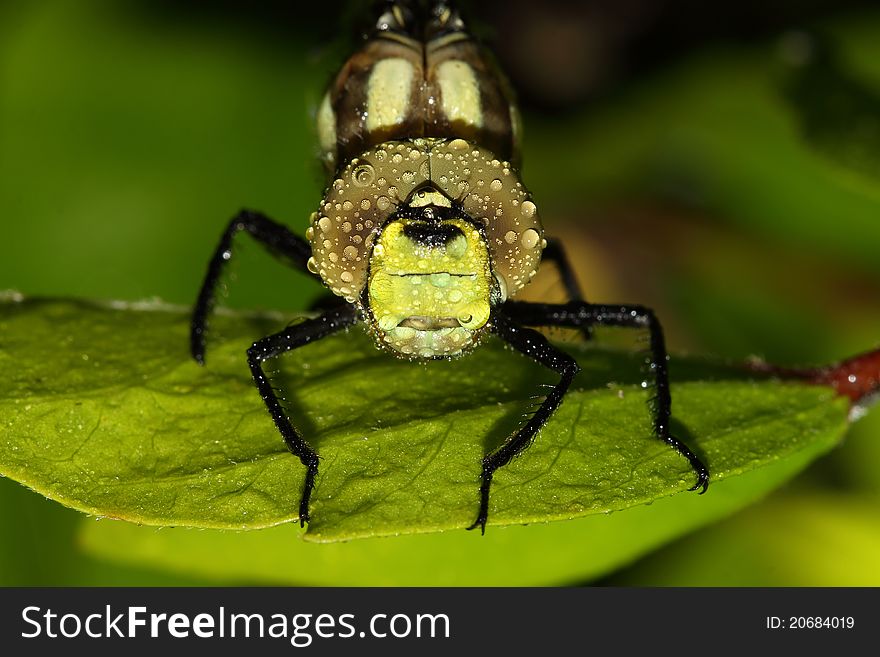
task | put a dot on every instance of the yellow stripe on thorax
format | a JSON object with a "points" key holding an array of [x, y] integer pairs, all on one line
{"points": [[389, 93], [460, 93]]}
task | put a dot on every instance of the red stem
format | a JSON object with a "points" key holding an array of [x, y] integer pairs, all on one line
{"points": [[857, 377]]}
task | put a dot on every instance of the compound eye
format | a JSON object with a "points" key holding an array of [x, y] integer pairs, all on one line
{"points": [[359, 201], [491, 191]]}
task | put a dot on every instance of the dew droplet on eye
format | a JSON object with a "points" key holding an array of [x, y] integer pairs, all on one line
{"points": [[363, 175], [347, 276], [510, 237], [324, 224], [528, 209], [349, 253], [495, 185], [530, 238]]}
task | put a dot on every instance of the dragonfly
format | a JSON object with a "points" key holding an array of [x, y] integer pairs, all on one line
{"points": [[426, 232]]}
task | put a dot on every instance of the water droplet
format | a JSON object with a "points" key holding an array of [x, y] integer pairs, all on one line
{"points": [[530, 238], [363, 175], [440, 280]]}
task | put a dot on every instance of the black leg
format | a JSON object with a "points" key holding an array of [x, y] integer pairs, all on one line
{"points": [[576, 314], [274, 345], [554, 252], [535, 346], [277, 238]]}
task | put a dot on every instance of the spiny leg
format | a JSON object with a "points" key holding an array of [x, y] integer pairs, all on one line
{"points": [[277, 238], [535, 346], [554, 252], [575, 314], [274, 345]]}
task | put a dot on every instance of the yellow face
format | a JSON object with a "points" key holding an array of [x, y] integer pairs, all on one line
{"points": [[430, 286]]}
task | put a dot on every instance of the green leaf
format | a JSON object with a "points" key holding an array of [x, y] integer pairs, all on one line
{"points": [[540, 554], [105, 412]]}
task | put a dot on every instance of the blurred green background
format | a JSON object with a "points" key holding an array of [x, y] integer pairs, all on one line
{"points": [[720, 163]]}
